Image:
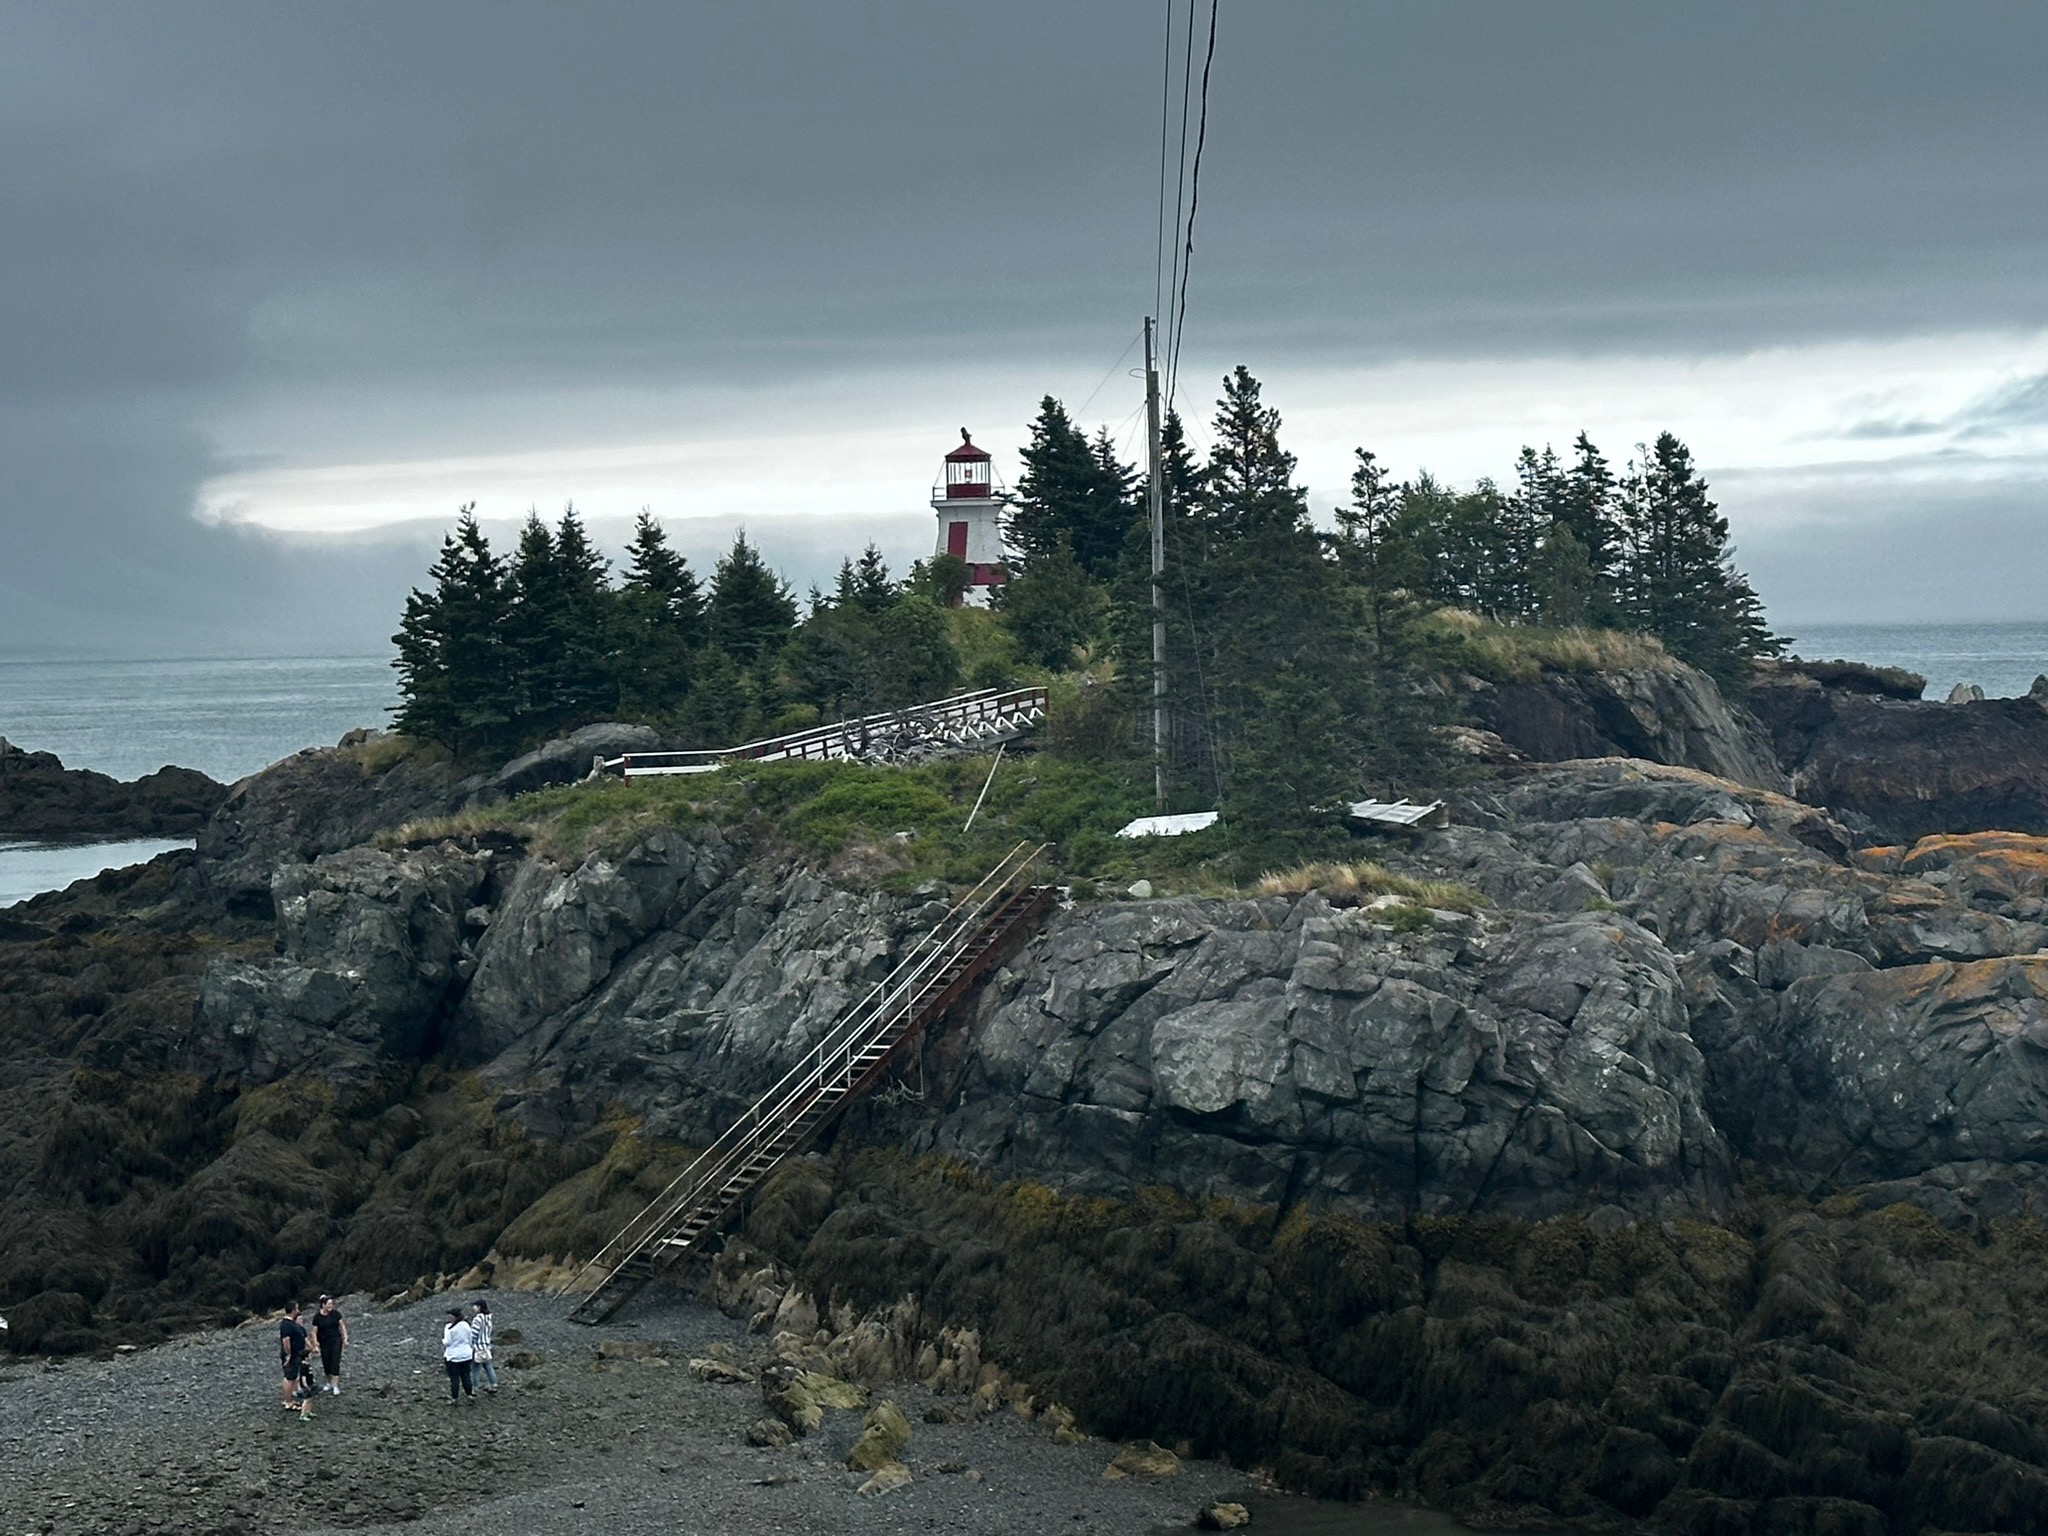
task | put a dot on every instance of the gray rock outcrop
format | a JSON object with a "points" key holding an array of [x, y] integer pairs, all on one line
{"points": [[1670, 714], [374, 945]]}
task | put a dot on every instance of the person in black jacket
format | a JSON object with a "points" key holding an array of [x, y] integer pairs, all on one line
{"points": [[330, 1332], [291, 1359]]}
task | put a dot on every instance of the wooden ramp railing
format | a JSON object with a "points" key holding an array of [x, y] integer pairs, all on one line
{"points": [[966, 720], [984, 928]]}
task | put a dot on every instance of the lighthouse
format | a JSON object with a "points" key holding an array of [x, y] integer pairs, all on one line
{"points": [[970, 512]]}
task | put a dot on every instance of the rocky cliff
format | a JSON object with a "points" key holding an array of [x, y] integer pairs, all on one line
{"points": [[40, 797], [1666, 1183], [1664, 713], [1907, 768]]}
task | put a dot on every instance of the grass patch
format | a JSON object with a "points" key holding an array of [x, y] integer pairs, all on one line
{"points": [[1365, 880], [1520, 653]]}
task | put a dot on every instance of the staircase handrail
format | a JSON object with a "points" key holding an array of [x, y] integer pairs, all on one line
{"points": [[712, 1165]]}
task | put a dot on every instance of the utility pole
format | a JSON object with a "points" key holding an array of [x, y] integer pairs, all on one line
{"points": [[1155, 494]]}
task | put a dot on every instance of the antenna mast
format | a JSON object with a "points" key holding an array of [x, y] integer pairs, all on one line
{"points": [[1155, 495]]}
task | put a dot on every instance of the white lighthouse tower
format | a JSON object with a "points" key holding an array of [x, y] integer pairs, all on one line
{"points": [[970, 512]]}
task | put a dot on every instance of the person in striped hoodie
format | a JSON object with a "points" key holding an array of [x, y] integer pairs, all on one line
{"points": [[480, 1329]]}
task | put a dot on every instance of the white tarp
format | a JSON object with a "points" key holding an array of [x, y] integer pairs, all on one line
{"points": [[1169, 826]]}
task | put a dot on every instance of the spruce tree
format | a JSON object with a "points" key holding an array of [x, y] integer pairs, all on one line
{"points": [[869, 587], [1399, 709], [1678, 579], [1052, 608], [1278, 645], [752, 610], [589, 677], [1059, 473], [660, 623], [455, 686], [1586, 509]]}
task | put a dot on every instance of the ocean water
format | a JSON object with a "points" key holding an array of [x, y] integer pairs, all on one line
{"points": [[225, 718], [30, 868], [128, 718], [2002, 659]]}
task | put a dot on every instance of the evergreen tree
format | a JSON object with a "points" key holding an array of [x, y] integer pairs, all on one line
{"points": [[752, 610], [1586, 509], [589, 678], [453, 669], [1278, 644], [869, 587], [559, 630], [1248, 491], [660, 614], [850, 660], [533, 627], [1058, 473], [1053, 608], [1678, 580], [1072, 491], [1400, 710]]}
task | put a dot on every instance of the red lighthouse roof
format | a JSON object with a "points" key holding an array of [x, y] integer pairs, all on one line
{"points": [[966, 451]]}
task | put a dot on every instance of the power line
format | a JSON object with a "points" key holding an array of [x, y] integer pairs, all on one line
{"points": [[1181, 155], [1194, 189], [1165, 94], [1082, 409]]}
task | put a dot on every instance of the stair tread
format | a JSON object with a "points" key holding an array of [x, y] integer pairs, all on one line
{"points": [[879, 1027]]}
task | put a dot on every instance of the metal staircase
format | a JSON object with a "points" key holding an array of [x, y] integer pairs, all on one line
{"points": [[984, 928]]}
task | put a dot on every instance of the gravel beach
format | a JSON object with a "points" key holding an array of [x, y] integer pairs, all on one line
{"points": [[189, 1438]]}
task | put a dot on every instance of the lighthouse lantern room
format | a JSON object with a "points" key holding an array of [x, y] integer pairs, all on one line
{"points": [[970, 511]]}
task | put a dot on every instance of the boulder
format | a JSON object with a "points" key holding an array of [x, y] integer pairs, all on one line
{"points": [[569, 759], [1222, 1516], [319, 802], [373, 951], [883, 1435], [1141, 1458], [721, 1372], [888, 1477], [635, 1349], [769, 1434]]}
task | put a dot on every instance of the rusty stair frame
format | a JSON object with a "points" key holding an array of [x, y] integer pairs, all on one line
{"points": [[980, 931]]}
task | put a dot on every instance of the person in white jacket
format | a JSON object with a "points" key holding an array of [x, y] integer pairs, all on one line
{"points": [[458, 1351]]}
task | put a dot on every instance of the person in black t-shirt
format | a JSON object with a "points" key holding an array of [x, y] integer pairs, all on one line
{"points": [[331, 1333], [291, 1358]]}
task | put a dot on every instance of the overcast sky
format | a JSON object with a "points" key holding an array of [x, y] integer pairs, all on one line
{"points": [[284, 286]]}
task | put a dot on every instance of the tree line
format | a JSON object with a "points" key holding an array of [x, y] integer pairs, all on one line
{"points": [[503, 651], [1303, 663]]}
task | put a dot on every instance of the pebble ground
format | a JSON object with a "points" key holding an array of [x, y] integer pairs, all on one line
{"points": [[188, 1438]]}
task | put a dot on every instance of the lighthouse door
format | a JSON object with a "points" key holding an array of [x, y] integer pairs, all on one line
{"points": [[956, 540]]}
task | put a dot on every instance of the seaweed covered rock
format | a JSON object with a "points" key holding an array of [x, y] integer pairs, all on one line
{"points": [[40, 797], [1910, 767]]}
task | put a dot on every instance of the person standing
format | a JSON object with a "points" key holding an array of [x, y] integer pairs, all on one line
{"points": [[458, 1351], [330, 1331], [480, 1331], [291, 1360]]}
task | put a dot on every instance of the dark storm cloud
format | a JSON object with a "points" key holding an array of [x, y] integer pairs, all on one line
{"points": [[378, 220]]}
